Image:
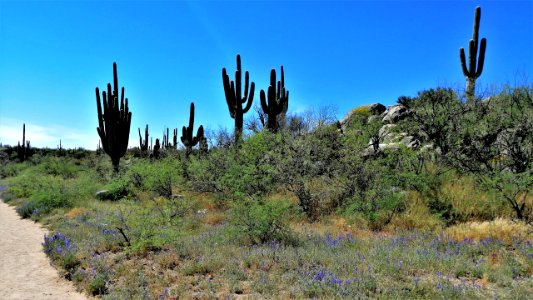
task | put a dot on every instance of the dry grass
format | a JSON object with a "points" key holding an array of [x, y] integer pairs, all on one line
{"points": [[501, 229], [468, 200], [76, 211], [416, 216]]}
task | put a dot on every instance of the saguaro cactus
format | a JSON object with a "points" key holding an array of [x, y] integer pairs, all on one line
{"points": [[278, 100], [175, 138], [23, 151], [155, 149], [187, 137], [143, 144], [114, 123], [475, 64], [234, 97]]}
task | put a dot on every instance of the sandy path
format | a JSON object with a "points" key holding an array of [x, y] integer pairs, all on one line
{"points": [[25, 272]]}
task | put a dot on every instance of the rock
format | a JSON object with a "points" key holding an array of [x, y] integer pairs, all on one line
{"points": [[385, 134], [377, 109], [103, 195], [395, 113]]}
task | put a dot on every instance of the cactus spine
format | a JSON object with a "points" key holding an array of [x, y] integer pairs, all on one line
{"points": [[234, 97], [475, 64], [143, 144], [278, 100], [114, 122], [187, 137]]}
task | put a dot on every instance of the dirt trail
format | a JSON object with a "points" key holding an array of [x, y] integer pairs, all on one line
{"points": [[25, 271]]}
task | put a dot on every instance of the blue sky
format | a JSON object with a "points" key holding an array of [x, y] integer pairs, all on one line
{"points": [[169, 53]]}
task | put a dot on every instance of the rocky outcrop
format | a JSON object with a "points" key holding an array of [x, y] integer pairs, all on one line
{"points": [[371, 111], [395, 113]]}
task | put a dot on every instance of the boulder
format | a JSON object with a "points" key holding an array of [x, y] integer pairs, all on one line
{"points": [[385, 134], [103, 195], [375, 109], [395, 113]]}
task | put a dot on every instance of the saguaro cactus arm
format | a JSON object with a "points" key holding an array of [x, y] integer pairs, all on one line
{"points": [[278, 100]]}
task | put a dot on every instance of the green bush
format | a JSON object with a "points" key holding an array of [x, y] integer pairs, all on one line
{"points": [[118, 188], [157, 176], [63, 167], [256, 222]]}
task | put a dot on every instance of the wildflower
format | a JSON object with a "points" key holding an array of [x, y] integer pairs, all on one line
{"points": [[319, 276]]}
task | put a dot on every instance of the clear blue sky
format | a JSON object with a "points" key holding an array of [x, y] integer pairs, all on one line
{"points": [[341, 53]]}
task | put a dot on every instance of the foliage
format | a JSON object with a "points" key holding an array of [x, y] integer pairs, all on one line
{"points": [[257, 221]]}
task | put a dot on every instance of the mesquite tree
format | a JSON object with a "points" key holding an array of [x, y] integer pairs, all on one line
{"points": [[114, 122]]}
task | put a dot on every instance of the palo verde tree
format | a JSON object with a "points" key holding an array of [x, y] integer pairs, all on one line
{"points": [[278, 100], [234, 97], [114, 121], [187, 137], [475, 64]]}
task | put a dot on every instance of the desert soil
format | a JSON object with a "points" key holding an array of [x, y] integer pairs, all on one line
{"points": [[25, 271]]}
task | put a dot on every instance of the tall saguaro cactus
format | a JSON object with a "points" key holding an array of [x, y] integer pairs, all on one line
{"points": [[114, 122], [143, 144], [187, 137], [278, 100], [475, 64], [234, 97], [23, 151]]}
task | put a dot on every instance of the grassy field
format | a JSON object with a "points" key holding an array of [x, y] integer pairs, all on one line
{"points": [[140, 245], [313, 210]]}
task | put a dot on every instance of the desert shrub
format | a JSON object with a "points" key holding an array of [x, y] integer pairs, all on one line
{"points": [[255, 221], [205, 173], [493, 142], [436, 112], [320, 196], [63, 167], [158, 176], [118, 188], [43, 194], [255, 168], [11, 169]]}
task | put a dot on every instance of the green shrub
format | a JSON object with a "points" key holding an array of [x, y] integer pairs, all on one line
{"points": [[63, 167], [117, 189], [157, 177], [256, 221]]}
